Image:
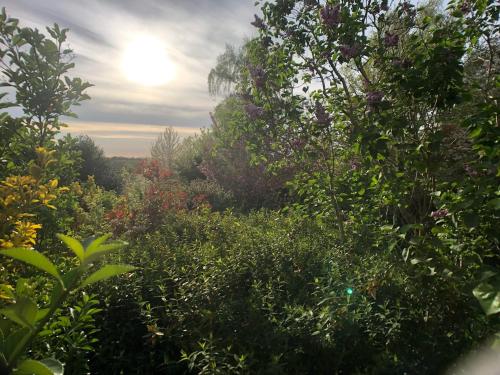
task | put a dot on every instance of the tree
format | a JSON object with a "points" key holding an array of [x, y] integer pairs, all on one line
{"points": [[227, 160], [165, 147], [398, 141], [94, 163], [227, 72], [36, 67]]}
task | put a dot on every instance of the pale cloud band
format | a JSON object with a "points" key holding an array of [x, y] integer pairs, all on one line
{"points": [[118, 139]]}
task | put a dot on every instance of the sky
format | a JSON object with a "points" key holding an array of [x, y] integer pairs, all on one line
{"points": [[178, 42]]}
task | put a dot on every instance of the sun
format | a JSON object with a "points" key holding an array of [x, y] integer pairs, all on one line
{"points": [[145, 61]]}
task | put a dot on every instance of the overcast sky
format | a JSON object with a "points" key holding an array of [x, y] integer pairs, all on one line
{"points": [[124, 117]]}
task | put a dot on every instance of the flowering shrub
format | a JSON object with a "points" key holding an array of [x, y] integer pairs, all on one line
{"points": [[20, 196], [150, 195]]}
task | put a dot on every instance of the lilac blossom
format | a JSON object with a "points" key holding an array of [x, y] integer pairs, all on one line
{"points": [[402, 64], [266, 41], [254, 112], [465, 7], [258, 23], [439, 214], [310, 3], [298, 144], [258, 76], [330, 14], [321, 115], [349, 51], [355, 164], [391, 40], [374, 97], [470, 171]]}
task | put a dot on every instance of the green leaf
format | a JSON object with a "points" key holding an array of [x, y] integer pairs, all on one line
{"points": [[41, 314], [489, 298], [106, 272], [23, 312], [98, 251], [53, 364], [34, 258], [46, 367], [73, 244], [92, 243], [69, 280], [471, 220], [11, 341], [494, 203]]}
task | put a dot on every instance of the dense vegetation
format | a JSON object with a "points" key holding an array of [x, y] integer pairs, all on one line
{"points": [[341, 215]]}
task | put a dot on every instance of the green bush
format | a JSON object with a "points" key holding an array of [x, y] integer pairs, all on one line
{"points": [[274, 292]]}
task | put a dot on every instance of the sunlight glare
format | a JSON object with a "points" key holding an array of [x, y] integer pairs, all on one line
{"points": [[145, 61]]}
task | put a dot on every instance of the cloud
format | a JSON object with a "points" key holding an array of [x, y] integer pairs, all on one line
{"points": [[194, 33]]}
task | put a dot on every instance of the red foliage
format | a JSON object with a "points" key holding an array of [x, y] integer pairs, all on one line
{"points": [[163, 194]]}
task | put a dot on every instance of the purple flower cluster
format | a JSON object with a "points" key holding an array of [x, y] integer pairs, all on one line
{"points": [[266, 41], [258, 23], [254, 112], [409, 9], [391, 40], [298, 144], [258, 76], [321, 115], [355, 165], [470, 171], [465, 7], [349, 52], [401, 64], [374, 97], [330, 14], [439, 214]]}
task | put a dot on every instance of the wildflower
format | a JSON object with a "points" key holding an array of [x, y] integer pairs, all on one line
{"points": [[330, 14]]}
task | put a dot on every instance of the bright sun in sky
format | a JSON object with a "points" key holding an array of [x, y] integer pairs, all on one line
{"points": [[146, 62]]}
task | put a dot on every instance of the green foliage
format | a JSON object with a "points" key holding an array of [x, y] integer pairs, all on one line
{"points": [[25, 320], [70, 335], [36, 67], [270, 291], [95, 164], [376, 124]]}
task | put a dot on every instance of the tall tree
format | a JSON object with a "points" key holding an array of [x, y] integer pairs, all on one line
{"points": [[165, 147]]}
